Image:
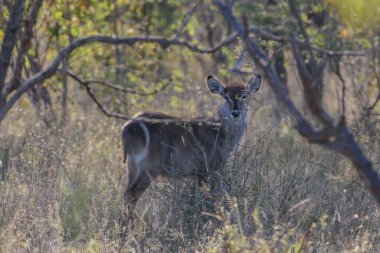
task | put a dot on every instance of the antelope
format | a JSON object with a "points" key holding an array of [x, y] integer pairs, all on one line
{"points": [[156, 144]]}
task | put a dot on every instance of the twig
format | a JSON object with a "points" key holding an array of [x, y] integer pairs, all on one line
{"points": [[168, 120], [375, 56], [311, 91], [370, 109], [294, 10], [9, 41], [99, 104], [115, 86], [239, 62], [265, 34], [65, 52], [45, 146], [336, 68], [25, 45], [335, 137], [187, 19]]}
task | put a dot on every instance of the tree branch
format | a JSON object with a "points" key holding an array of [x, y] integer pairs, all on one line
{"points": [[96, 101], [65, 52], [187, 19], [337, 138], [370, 109], [280, 89], [295, 12], [9, 41], [103, 109], [269, 35], [114, 86], [311, 87], [25, 45]]}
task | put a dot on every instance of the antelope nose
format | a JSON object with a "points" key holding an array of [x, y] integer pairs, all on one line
{"points": [[235, 113]]}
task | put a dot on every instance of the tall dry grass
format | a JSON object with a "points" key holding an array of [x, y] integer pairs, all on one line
{"points": [[61, 190]]}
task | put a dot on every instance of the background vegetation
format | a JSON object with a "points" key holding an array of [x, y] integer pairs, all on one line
{"points": [[61, 173]]}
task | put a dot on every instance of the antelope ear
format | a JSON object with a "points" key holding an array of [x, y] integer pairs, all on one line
{"points": [[214, 85], [254, 84]]}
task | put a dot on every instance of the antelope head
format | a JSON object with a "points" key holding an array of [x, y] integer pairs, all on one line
{"points": [[236, 96]]}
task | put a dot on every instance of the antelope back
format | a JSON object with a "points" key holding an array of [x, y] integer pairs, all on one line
{"points": [[158, 144]]}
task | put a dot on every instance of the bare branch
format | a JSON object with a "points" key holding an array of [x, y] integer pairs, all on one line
{"points": [[239, 62], [187, 19], [25, 45], [103, 109], [374, 64], [9, 41], [265, 34], [280, 89], [338, 53], [335, 66], [370, 109], [293, 9], [311, 87], [337, 138], [97, 102], [114, 86], [65, 52]]}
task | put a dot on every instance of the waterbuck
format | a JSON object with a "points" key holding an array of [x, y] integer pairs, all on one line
{"points": [[157, 144]]}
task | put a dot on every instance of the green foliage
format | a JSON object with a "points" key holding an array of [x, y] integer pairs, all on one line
{"points": [[362, 16], [62, 189]]}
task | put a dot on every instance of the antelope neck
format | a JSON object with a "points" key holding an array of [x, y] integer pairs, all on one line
{"points": [[231, 128]]}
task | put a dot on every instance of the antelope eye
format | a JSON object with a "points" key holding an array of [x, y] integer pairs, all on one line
{"points": [[243, 97]]}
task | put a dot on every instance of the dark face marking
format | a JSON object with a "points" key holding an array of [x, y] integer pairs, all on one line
{"points": [[236, 98], [235, 94]]}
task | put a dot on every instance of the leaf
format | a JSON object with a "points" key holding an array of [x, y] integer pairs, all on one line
{"points": [[74, 31]]}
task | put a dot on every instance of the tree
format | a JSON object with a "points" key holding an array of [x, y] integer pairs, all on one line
{"points": [[311, 59], [12, 91], [333, 133]]}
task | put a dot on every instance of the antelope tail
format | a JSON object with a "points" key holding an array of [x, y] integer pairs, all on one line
{"points": [[135, 135]]}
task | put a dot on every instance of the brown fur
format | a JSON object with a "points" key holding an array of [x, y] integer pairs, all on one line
{"points": [[156, 144], [234, 85]]}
